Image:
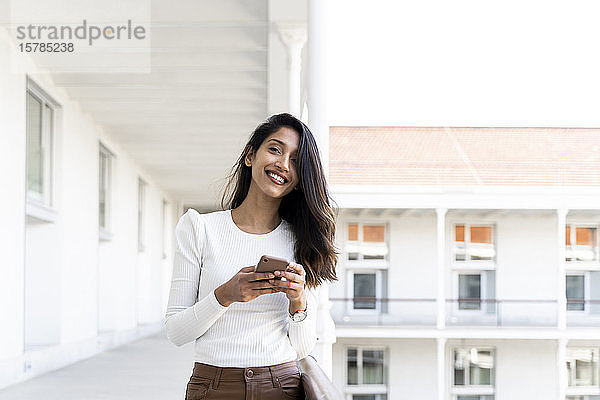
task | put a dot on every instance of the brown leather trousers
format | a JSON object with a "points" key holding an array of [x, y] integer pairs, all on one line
{"points": [[274, 382]]}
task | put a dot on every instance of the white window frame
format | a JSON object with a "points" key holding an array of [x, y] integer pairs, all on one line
{"points": [[586, 292], [43, 208], [472, 390], [471, 266], [350, 290], [361, 262], [141, 214], [582, 390], [474, 264], [592, 265], [105, 233], [366, 266], [350, 390]]}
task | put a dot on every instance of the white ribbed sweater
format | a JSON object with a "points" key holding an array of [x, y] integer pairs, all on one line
{"points": [[211, 248]]}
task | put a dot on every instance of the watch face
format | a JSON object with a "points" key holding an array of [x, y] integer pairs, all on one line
{"points": [[299, 316]]}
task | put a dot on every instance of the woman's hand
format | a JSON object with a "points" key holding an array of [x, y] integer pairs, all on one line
{"points": [[244, 286], [293, 286]]}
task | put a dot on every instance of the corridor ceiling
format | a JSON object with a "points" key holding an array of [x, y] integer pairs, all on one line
{"points": [[186, 122]]}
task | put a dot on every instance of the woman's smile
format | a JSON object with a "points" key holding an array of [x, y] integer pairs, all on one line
{"points": [[275, 178]]}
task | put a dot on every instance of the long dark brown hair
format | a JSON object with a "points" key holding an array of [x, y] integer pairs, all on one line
{"points": [[308, 209]]}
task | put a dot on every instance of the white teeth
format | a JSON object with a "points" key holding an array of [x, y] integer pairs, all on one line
{"points": [[280, 179]]}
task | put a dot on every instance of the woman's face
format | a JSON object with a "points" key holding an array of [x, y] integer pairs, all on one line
{"points": [[276, 155]]}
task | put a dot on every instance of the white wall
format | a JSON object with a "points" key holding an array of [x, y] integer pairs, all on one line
{"points": [[12, 207], [527, 267], [59, 284], [411, 368], [412, 265], [525, 369], [526, 253], [133, 286]]}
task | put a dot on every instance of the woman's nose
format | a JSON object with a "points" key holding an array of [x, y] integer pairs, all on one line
{"points": [[284, 164]]}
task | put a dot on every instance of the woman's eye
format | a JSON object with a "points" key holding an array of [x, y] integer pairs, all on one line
{"points": [[273, 148]]}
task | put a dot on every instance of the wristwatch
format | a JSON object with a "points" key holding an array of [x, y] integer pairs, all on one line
{"points": [[298, 316]]}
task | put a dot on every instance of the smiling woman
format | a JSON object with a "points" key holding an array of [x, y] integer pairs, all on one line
{"points": [[284, 145], [251, 329]]}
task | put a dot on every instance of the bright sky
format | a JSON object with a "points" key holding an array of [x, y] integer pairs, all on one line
{"points": [[464, 63]]}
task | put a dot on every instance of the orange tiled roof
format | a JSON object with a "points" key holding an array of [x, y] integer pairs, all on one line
{"points": [[464, 156]]}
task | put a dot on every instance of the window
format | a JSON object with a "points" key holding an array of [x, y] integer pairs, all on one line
{"points": [[474, 243], [365, 285], [473, 366], [366, 242], [575, 292], [105, 191], [367, 265], [582, 366], [582, 243], [474, 373], [474, 257], [40, 119], [366, 373], [368, 287], [469, 287], [141, 214], [366, 366], [473, 286]]}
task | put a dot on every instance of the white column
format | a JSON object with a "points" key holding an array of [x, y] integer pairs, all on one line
{"points": [[317, 77], [561, 220], [561, 362], [325, 332], [441, 370], [293, 37], [319, 126], [441, 268]]}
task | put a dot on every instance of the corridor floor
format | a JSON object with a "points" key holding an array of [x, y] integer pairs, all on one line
{"points": [[148, 369]]}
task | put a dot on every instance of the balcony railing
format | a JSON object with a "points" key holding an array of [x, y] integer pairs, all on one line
{"points": [[316, 384], [422, 312]]}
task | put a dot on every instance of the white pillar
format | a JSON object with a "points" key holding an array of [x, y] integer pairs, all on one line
{"points": [[561, 362], [317, 77], [561, 220], [293, 37], [441, 269], [325, 332], [441, 370], [319, 126]]}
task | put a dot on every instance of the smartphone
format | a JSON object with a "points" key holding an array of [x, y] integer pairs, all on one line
{"points": [[271, 264]]}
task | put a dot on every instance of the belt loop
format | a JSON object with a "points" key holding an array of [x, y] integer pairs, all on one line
{"points": [[274, 378], [215, 383]]}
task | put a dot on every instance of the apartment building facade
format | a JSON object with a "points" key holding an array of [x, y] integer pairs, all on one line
{"points": [[469, 266]]}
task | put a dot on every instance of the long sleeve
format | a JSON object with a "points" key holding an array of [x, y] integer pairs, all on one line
{"points": [[303, 334], [186, 319]]}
